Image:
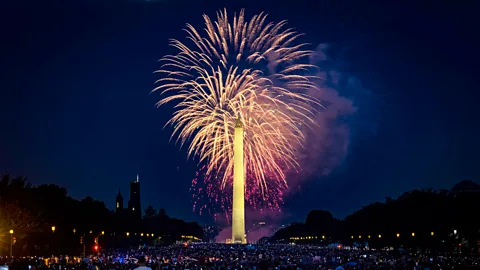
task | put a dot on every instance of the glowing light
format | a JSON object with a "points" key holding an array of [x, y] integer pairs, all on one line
{"points": [[128, 234], [53, 228], [359, 237], [368, 236], [103, 232], [323, 236], [432, 233], [398, 235], [248, 69], [141, 234], [238, 208], [11, 231], [74, 230], [379, 236], [413, 234]]}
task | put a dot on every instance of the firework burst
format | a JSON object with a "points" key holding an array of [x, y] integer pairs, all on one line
{"points": [[247, 69]]}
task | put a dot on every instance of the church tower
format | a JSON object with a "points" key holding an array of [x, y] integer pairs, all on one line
{"points": [[119, 203]]}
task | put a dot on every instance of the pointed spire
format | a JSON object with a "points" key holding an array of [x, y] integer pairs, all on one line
{"points": [[137, 178], [238, 123], [119, 195]]}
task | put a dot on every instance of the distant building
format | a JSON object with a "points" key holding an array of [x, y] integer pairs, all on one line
{"points": [[134, 210], [134, 202], [466, 188], [119, 203]]}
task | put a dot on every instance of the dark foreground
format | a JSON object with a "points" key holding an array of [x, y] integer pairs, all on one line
{"points": [[220, 256]]}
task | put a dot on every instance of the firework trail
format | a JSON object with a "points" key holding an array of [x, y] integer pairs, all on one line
{"points": [[247, 69]]}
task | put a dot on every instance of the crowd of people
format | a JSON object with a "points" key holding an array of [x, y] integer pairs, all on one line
{"points": [[229, 257]]}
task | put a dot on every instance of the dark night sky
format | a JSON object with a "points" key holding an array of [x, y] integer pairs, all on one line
{"points": [[76, 109]]}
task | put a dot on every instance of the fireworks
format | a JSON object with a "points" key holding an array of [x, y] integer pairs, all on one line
{"points": [[247, 69]]}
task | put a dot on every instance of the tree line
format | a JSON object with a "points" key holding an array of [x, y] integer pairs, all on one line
{"points": [[45, 220], [420, 218]]}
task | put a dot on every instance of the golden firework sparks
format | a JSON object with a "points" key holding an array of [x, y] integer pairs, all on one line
{"points": [[251, 69]]}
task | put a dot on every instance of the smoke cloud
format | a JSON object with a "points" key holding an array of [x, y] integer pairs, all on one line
{"points": [[327, 142], [258, 224]]}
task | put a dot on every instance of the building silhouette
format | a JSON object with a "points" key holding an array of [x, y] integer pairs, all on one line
{"points": [[466, 189], [119, 203], [134, 210], [134, 202], [466, 186]]}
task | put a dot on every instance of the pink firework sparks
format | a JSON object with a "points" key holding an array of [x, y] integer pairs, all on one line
{"points": [[211, 197]]}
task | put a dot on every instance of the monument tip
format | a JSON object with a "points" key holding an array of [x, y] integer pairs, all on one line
{"points": [[238, 123]]}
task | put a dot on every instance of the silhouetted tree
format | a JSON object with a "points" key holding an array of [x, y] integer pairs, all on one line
{"points": [[150, 212], [21, 204], [296, 229], [162, 213], [423, 219], [18, 219], [321, 222]]}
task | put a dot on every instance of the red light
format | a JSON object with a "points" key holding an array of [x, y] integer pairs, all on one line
{"points": [[459, 245], [95, 247]]}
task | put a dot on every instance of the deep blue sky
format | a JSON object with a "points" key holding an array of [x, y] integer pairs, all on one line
{"points": [[76, 109]]}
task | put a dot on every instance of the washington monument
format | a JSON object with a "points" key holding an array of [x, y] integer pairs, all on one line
{"points": [[238, 209]]}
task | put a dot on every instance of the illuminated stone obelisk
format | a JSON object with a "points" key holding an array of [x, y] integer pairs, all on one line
{"points": [[238, 209]]}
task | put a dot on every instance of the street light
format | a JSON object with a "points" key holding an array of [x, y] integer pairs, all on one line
{"points": [[128, 234], [398, 235], [74, 230], [53, 236], [11, 242], [432, 234], [413, 234], [103, 232]]}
